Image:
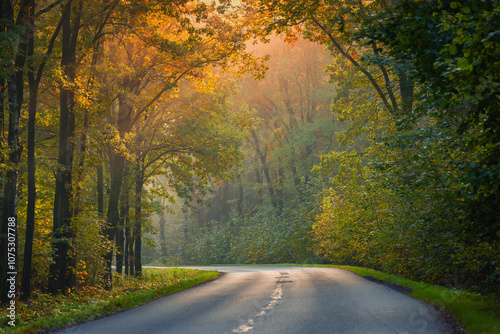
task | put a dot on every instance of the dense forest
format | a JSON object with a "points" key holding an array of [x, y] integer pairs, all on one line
{"points": [[361, 132]]}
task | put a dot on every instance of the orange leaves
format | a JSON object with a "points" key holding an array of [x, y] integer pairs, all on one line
{"points": [[355, 55], [291, 38]]}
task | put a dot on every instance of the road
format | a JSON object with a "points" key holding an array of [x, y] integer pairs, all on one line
{"points": [[288, 300]]}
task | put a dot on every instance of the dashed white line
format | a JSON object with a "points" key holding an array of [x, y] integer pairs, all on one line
{"points": [[275, 298]]}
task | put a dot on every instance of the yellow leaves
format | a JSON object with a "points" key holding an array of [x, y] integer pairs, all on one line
{"points": [[209, 83], [174, 93]]}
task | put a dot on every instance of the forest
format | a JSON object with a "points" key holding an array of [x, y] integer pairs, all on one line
{"points": [[155, 132]]}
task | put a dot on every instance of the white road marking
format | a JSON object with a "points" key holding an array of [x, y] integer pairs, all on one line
{"points": [[275, 298]]}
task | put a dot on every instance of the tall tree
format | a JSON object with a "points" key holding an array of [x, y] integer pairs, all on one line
{"points": [[60, 272], [34, 77], [155, 59], [17, 30]]}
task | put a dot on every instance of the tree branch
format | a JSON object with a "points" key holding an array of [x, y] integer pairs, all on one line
{"points": [[167, 87], [386, 79], [48, 8], [355, 63]]}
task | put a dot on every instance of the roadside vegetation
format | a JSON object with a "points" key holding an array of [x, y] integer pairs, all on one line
{"points": [[44, 311]]}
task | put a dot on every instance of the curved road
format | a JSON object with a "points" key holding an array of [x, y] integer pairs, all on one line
{"points": [[275, 299]]}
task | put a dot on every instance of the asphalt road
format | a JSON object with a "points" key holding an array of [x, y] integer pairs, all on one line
{"points": [[284, 300]]}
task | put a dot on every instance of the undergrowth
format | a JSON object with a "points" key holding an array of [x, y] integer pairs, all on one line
{"points": [[44, 311]]}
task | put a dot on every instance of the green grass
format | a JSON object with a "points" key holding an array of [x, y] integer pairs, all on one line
{"points": [[55, 312]]}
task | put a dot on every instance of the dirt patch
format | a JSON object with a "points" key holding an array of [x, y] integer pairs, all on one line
{"points": [[455, 326]]}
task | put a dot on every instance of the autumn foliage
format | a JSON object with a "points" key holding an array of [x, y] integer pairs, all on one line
{"points": [[351, 132]]}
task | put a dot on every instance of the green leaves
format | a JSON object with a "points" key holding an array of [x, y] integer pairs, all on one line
{"points": [[454, 159]]}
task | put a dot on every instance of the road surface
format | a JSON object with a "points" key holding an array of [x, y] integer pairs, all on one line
{"points": [[286, 300]]}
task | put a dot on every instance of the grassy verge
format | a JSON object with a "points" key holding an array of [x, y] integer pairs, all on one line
{"points": [[43, 312], [479, 314]]}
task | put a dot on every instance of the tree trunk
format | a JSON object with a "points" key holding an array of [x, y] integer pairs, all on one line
{"points": [[117, 164], [30, 211], [2, 108], [120, 238], [78, 201], [288, 104], [8, 230], [293, 168], [3, 229], [34, 83], [138, 219], [60, 272], [279, 188], [258, 179], [100, 191], [163, 241], [224, 210], [240, 197], [130, 250], [406, 88], [126, 249], [267, 175]]}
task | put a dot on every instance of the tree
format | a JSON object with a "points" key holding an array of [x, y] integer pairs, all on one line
{"points": [[164, 48], [335, 24], [425, 166], [84, 96], [196, 139], [455, 58], [15, 28], [34, 78], [61, 274]]}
